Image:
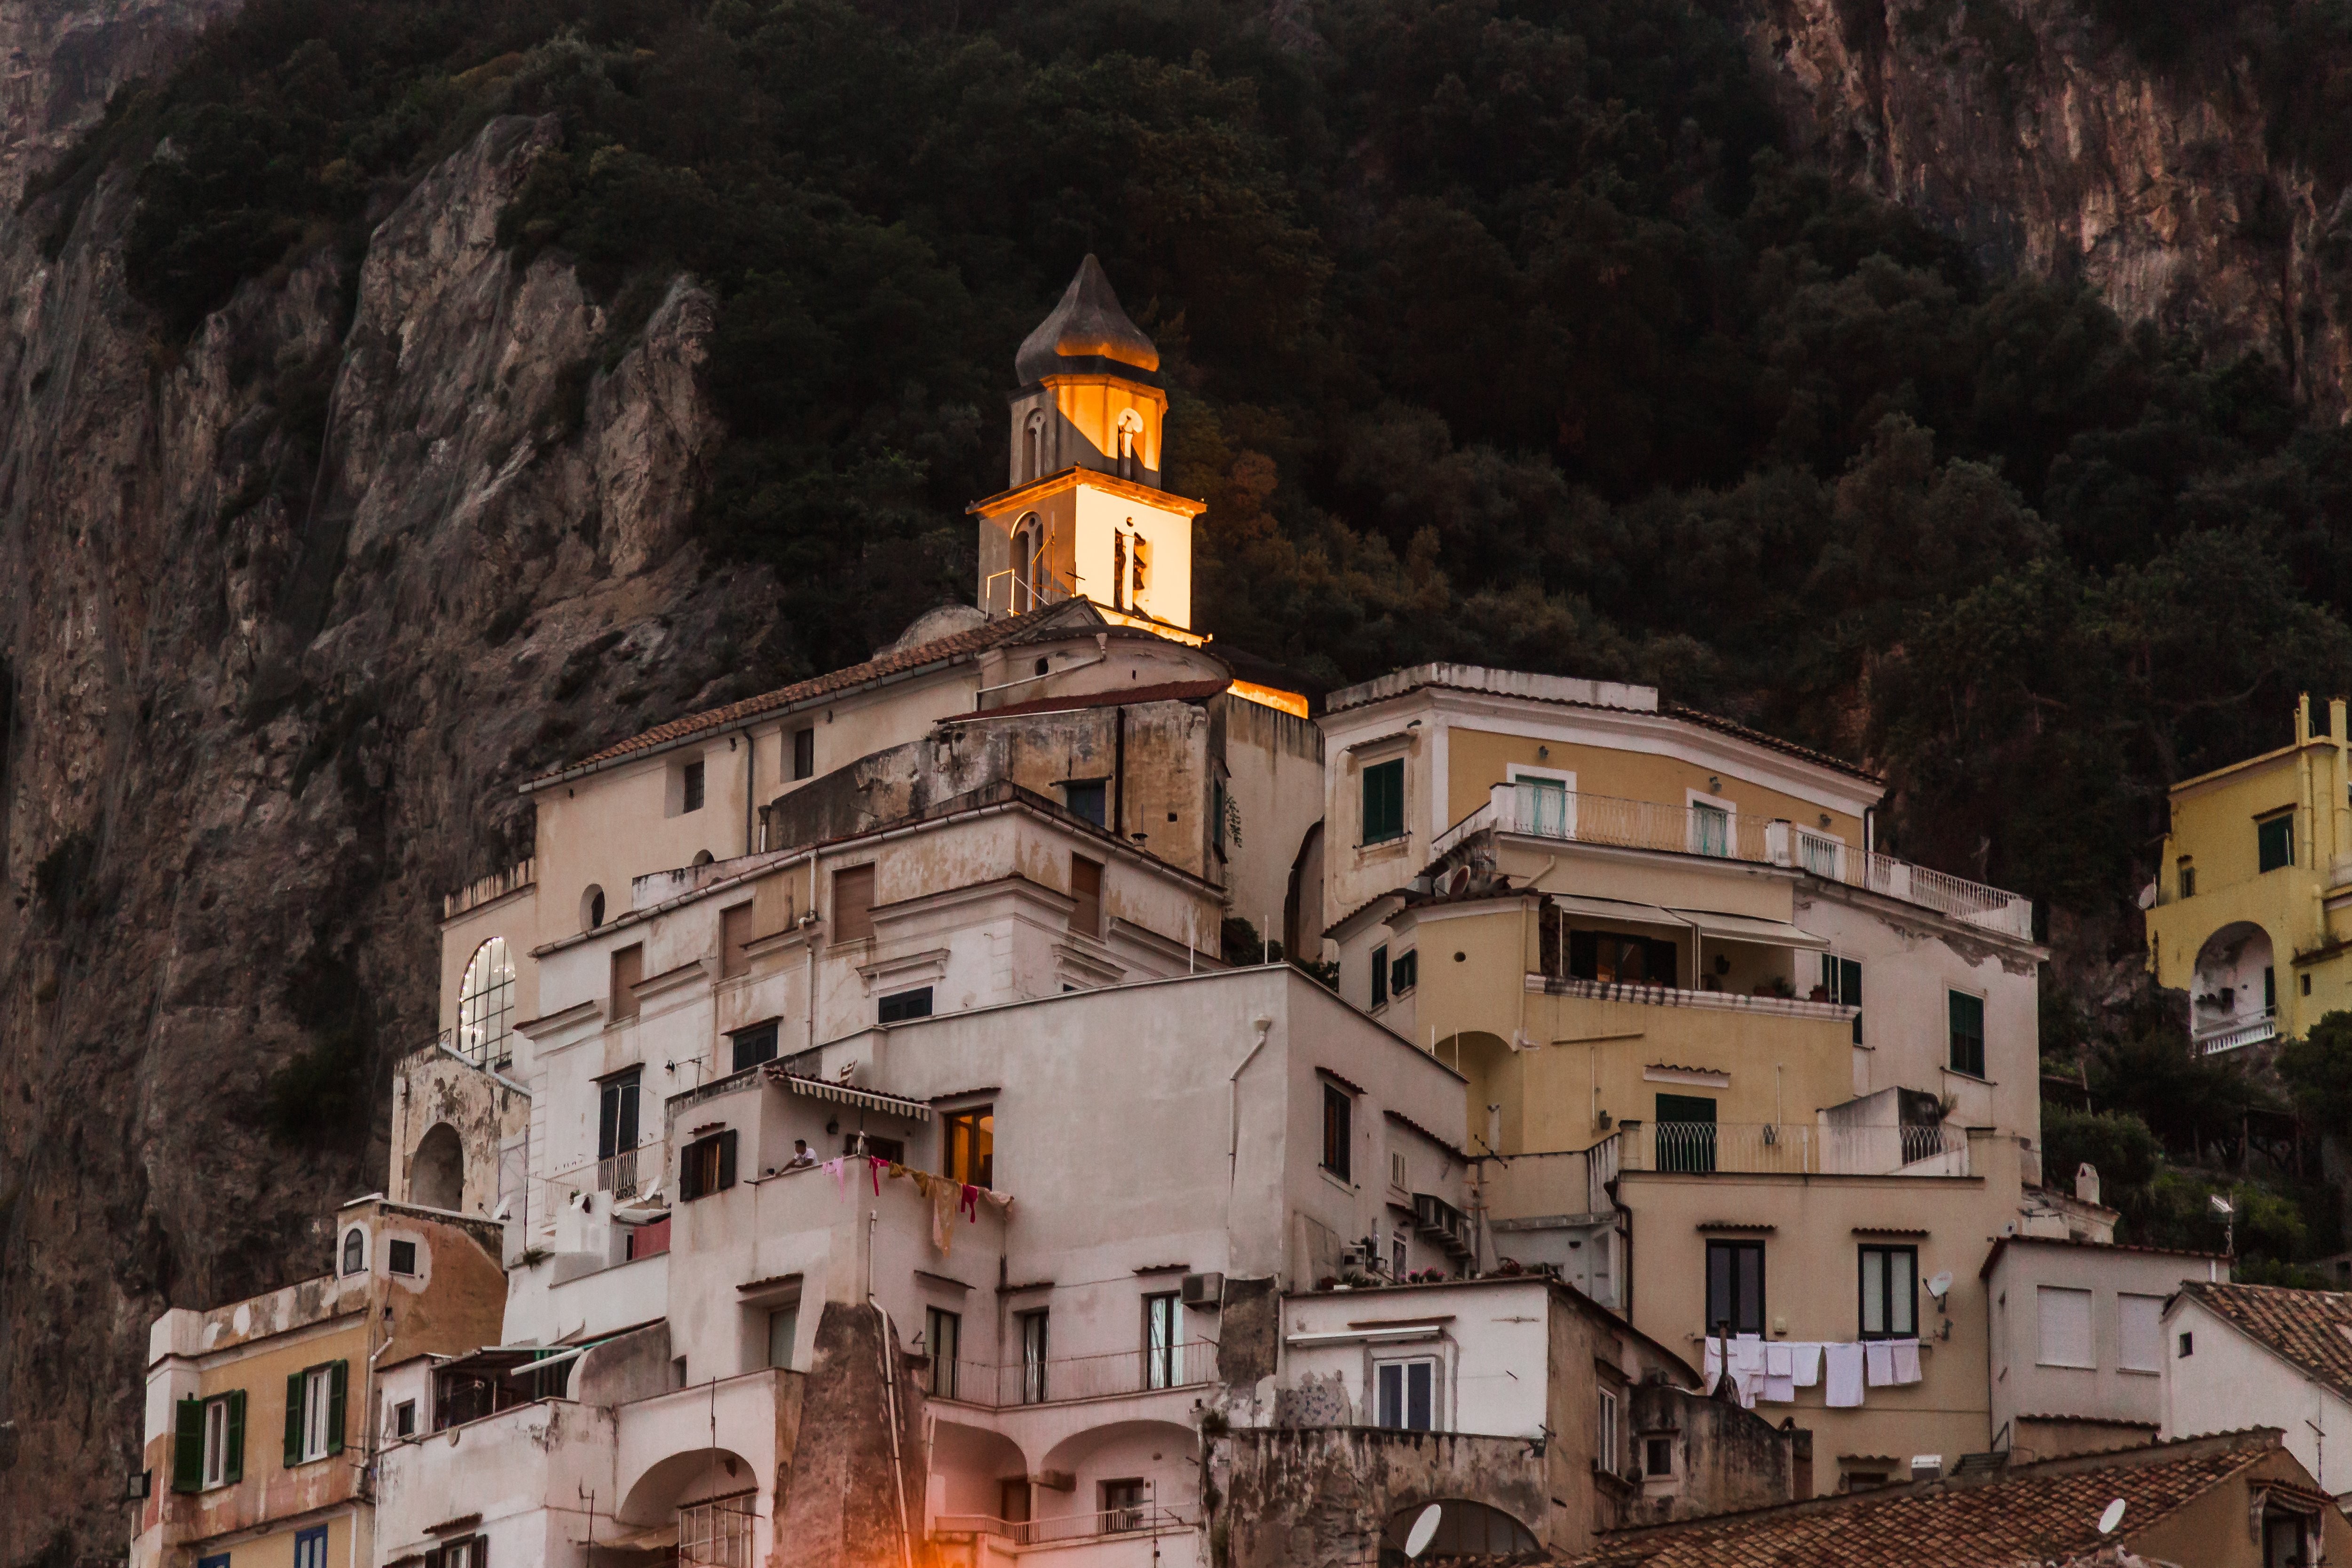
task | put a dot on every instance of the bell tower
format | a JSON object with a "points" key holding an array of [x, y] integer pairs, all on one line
{"points": [[1084, 515]]}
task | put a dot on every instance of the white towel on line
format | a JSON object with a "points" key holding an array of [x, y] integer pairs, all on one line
{"points": [[1747, 1353], [1778, 1362], [1805, 1359], [1906, 1360], [1779, 1391], [1879, 1356], [1844, 1375]]}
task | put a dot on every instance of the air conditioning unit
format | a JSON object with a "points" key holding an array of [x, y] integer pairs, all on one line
{"points": [[1205, 1292]]}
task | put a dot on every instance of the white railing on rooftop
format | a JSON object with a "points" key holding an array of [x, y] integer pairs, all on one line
{"points": [[1546, 810], [1645, 995], [2235, 1032], [1794, 1148], [1056, 1378]]}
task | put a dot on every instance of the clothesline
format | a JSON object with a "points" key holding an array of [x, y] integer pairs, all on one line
{"points": [[1771, 1371], [946, 1196]]}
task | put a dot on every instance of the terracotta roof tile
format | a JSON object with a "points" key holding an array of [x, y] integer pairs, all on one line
{"points": [[2037, 1513], [1771, 742], [1166, 692], [2312, 1329]]}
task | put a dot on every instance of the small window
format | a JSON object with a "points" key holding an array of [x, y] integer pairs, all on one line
{"points": [[900, 1006], [943, 1341], [354, 1250], [1380, 975], [592, 908], [1967, 1034], [1658, 1456], [1123, 1506], [1085, 894], [209, 1443], [467, 1551], [2274, 842], [735, 934], [1734, 1286], [1163, 1341], [1035, 1362], [1890, 1292], [1338, 1117], [2139, 1333], [805, 753], [753, 1046], [400, 1256], [628, 972], [690, 789], [968, 1146], [707, 1165], [2188, 1344], [1397, 1172], [2064, 1327], [1384, 801], [1086, 798], [403, 1418], [852, 904], [1710, 829], [1404, 972], [314, 1412], [311, 1547], [1607, 1435], [783, 1326], [1407, 1393], [2188, 876]]}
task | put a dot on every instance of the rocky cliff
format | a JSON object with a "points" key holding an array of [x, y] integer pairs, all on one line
{"points": [[292, 606], [2053, 145]]}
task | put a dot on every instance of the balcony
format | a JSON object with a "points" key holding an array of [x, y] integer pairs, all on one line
{"points": [[1782, 1148], [1541, 811], [1059, 1379], [1140, 1518], [1676, 997], [2236, 1031]]}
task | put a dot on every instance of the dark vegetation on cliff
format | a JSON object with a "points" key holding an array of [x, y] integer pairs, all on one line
{"points": [[1497, 330]]}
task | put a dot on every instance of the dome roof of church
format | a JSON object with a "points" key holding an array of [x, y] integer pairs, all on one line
{"points": [[1086, 324]]}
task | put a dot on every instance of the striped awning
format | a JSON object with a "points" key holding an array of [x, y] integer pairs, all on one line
{"points": [[841, 1094]]}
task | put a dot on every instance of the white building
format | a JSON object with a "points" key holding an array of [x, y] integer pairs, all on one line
{"points": [[2241, 1354]]}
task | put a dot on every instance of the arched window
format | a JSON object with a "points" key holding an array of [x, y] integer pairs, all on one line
{"points": [[1033, 449], [1028, 562], [703, 857], [354, 1250], [1130, 436], [486, 1004], [592, 908]]}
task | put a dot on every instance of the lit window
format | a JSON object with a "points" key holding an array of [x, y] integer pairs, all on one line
{"points": [[968, 1146], [486, 1004]]}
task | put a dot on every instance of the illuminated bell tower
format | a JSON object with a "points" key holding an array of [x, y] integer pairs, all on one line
{"points": [[1084, 516]]}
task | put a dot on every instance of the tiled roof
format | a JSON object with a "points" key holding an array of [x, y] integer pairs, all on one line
{"points": [[896, 662], [1770, 742], [2312, 1329], [1117, 696], [2004, 1243], [2036, 1513]]}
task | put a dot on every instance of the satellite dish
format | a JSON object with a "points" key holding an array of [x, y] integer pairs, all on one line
{"points": [[1941, 1285], [2112, 1517], [1423, 1530]]}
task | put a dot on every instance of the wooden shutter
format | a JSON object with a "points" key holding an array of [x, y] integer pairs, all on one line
{"points": [[233, 1457], [1085, 888], [338, 1387], [852, 904], [188, 1447], [735, 929], [293, 1420], [688, 1188], [726, 1160], [628, 968]]}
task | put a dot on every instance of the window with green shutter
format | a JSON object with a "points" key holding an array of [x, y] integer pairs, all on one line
{"points": [[233, 1448], [188, 1447], [296, 1385], [1384, 801], [2274, 842], [339, 1387], [1967, 1034]]}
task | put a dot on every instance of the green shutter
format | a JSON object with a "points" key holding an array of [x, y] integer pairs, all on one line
{"points": [[233, 1459], [1383, 809], [339, 1384], [293, 1420], [188, 1447]]}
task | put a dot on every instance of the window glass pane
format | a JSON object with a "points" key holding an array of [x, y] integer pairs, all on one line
{"points": [[1874, 1291], [1718, 1285], [1380, 975], [1085, 800], [2274, 840], [1384, 801], [1967, 1034], [783, 1325], [1390, 1377], [1710, 831], [1418, 1377], [1749, 1318]]}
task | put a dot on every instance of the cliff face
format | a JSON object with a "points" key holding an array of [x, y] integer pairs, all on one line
{"points": [[291, 608], [2051, 147], [59, 63]]}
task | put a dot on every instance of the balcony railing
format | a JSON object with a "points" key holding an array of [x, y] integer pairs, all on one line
{"points": [[1058, 1378], [718, 1534], [1676, 997], [1548, 812], [2237, 1031], [627, 1174], [1010, 593], [1767, 1148], [1141, 1519]]}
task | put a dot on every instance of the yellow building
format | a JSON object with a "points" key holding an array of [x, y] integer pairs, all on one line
{"points": [[261, 1424], [2250, 913]]}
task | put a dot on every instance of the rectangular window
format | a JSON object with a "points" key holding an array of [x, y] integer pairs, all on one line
{"points": [[1338, 1117], [1034, 1359], [2188, 876], [968, 1146], [752, 1046], [1615, 959], [1404, 972], [617, 1113], [1380, 975], [2139, 1333], [735, 933], [690, 789], [1967, 1034], [852, 904], [2064, 1327], [1087, 797], [900, 1006], [1163, 1342], [311, 1547], [1607, 1435], [212, 1443], [2274, 842], [1397, 1173], [1122, 1505], [707, 1165], [1400, 1258], [784, 1327], [403, 1418], [1012, 1499], [218, 1560], [1407, 1394], [628, 970], [468, 1552], [1384, 801], [1686, 1134], [1842, 984], [1710, 831], [1890, 1292], [1658, 1459], [400, 1256], [2188, 1344], [1085, 894], [803, 753], [943, 1338], [1735, 1287], [314, 1412]]}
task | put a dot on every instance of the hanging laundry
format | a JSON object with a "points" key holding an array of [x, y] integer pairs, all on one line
{"points": [[1806, 1360], [1906, 1360], [945, 1195], [1777, 1390], [839, 1170], [1843, 1364], [1713, 1368], [877, 1165], [1747, 1353], [968, 1201], [1879, 1356], [1778, 1362]]}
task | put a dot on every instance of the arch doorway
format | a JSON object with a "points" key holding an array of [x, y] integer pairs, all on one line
{"points": [[436, 1172], [2233, 993], [1464, 1528]]}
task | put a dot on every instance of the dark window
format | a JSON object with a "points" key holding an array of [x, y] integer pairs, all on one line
{"points": [[1034, 1357], [968, 1146], [354, 1250], [803, 753], [890, 1151], [754, 1046], [707, 1165], [1380, 975], [2188, 1345], [1967, 1034], [1686, 1133], [1338, 1117], [617, 1119], [2269, 989], [2286, 1543], [2187, 880], [1122, 1505], [1841, 978], [1658, 1456], [852, 904], [403, 1418], [400, 1256], [628, 970], [1085, 893], [901, 1006], [693, 787], [1620, 959], [1734, 1286], [1890, 1292], [1407, 1392], [1384, 801], [943, 1338], [1404, 972], [1085, 798], [2274, 842]]}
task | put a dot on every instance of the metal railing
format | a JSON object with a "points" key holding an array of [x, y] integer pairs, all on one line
{"points": [[1766, 1148], [626, 1174], [1139, 1519], [1647, 995], [717, 1534], [1543, 811], [1601, 1165], [1008, 592], [2237, 1031], [1142, 1371]]}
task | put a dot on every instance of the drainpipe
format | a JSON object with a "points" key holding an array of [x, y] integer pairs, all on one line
{"points": [[2342, 798], [750, 788], [1118, 774]]}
